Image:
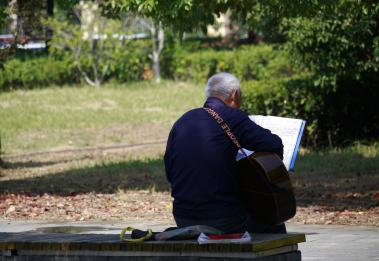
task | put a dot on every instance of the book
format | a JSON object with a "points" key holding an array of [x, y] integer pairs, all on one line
{"points": [[226, 238], [288, 129]]}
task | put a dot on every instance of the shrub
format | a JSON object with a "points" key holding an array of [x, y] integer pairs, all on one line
{"points": [[294, 97], [333, 118], [247, 63], [131, 62], [36, 72], [39, 71]]}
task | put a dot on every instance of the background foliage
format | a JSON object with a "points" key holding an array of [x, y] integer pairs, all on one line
{"points": [[36, 72], [323, 67], [340, 48]]}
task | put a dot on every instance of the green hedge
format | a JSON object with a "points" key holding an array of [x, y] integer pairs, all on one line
{"points": [[132, 63], [294, 97], [334, 117], [247, 63], [36, 72]]}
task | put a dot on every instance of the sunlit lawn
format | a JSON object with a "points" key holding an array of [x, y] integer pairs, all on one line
{"points": [[73, 117]]}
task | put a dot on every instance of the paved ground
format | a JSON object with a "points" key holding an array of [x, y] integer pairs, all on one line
{"points": [[324, 242], [329, 242]]}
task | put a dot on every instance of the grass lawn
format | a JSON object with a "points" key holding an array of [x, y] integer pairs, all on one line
{"points": [[74, 117], [77, 184]]}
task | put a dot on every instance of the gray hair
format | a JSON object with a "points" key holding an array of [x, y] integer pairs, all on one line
{"points": [[222, 85]]}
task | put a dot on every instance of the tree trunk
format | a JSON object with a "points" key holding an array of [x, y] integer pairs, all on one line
{"points": [[13, 7], [158, 44], [50, 14]]}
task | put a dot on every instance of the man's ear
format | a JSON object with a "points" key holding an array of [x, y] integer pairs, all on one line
{"points": [[235, 95], [235, 99]]}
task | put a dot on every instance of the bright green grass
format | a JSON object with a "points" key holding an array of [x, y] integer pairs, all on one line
{"points": [[69, 117], [356, 159]]}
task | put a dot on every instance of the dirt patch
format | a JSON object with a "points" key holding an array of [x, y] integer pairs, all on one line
{"points": [[327, 215], [129, 205]]}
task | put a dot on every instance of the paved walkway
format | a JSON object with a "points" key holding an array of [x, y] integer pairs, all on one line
{"points": [[329, 242], [324, 242]]}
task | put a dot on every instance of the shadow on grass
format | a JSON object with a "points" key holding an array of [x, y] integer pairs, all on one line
{"points": [[29, 164], [338, 179], [108, 178]]}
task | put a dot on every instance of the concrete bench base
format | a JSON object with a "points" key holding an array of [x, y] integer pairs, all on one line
{"points": [[290, 256], [101, 247]]}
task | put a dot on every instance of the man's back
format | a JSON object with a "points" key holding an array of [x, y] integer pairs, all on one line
{"points": [[200, 161]]}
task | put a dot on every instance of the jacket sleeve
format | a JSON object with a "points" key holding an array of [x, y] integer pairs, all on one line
{"points": [[254, 137]]}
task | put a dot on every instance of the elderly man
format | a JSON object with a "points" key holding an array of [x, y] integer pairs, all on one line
{"points": [[200, 161]]}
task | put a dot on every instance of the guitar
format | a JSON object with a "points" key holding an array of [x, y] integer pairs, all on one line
{"points": [[266, 188]]}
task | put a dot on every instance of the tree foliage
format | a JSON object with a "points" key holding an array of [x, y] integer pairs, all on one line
{"points": [[187, 15], [90, 43], [341, 43], [340, 48], [335, 43], [3, 12]]}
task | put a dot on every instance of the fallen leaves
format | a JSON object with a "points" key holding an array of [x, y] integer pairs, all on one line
{"points": [[89, 206], [10, 210], [144, 205], [328, 215]]}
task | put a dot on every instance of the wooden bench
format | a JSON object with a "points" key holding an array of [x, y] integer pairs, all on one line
{"points": [[33, 246]]}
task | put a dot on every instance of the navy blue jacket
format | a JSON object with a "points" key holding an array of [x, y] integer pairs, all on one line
{"points": [[200, 160]]}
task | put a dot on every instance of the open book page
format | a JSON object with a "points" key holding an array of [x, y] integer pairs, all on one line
{"points": [[289, 130]]}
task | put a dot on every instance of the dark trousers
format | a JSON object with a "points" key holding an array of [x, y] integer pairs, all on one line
{"points": [[235, 224]]}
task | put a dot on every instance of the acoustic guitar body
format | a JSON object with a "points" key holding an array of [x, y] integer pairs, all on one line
{"points": [[266, 188]]}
